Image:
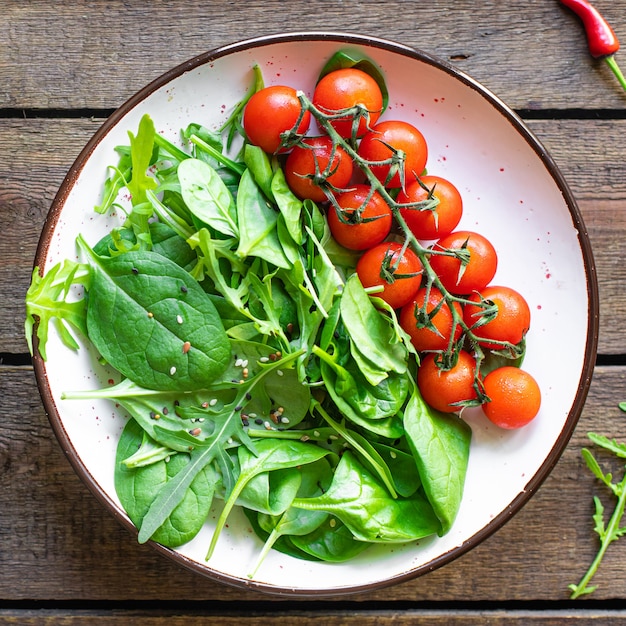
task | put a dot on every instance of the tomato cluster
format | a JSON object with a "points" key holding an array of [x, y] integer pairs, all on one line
{"points": [[371, 176]]}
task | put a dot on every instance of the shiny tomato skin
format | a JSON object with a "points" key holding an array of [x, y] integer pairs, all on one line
{"points": [[301, 164], [401, 136], [441, 389], [515, 397], [427, 224], [511, 322], [271, 111], [400, 291], [346, 88], [376, 218], [480, 269], [425, 339]]}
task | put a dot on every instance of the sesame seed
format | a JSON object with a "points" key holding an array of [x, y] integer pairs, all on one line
{"points": [[284, 420], [204, 405], [213, 402], [267, 425], [179, 319], [264, 359], [238, 362], [333, 522], [150, 314], [393, 454], [304, 438], [244, 363], [280, 372], [172, 370], [245, 372], [186, 347]]}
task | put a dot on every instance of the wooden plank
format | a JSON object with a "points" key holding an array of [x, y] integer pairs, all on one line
{"points": [[42, 151], [415, 617], [59, 543], [99, 55]]}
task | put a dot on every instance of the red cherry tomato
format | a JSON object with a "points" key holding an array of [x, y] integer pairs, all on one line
{"points": [[402, 137], [511, 322], [399, 275], [442, 389], [479, 270], [427, 224], [364, 220], [271, 111], [515, 397], [346, 88], [423, 337], [301, 172]]}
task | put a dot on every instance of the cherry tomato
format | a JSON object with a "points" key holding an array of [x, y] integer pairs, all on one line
{"points": [[271, 111], [441, 389], [346, 88], [399, 275], [301, 172], [473, 276], [511, 322], [424, 338], [515, 397], [427, 224], [365, 218], [401, 136]]}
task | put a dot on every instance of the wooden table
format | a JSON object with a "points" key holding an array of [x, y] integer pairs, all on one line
{"points": [[64, 67]]}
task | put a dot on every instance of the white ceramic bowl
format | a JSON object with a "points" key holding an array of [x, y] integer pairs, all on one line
{"points": [[513, 193]]}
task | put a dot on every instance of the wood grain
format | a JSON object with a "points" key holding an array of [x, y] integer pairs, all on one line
{"points": [[59, 543], [64, 559], [97, 54]]}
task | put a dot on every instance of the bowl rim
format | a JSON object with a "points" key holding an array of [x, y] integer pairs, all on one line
{"points": [[583, 239]]}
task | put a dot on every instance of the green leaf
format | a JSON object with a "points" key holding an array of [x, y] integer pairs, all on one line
{"points": [[373, 343], [207, 196], [48, 300], [257, 224], [143, 309], [440, 444], [137, 487], [347, 58], [368, 510], [270, 455]]}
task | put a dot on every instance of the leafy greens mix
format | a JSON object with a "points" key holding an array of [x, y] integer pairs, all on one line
{"points": [[255, 369]]}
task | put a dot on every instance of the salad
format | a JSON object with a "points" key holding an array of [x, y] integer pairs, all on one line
{"points": [[292, 332]]}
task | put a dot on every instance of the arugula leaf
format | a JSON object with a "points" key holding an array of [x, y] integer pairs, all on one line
{"points": [[607, 532], [47, 300]]}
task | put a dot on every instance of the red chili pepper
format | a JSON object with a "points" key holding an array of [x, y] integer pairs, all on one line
{"points": [[601, 39]]}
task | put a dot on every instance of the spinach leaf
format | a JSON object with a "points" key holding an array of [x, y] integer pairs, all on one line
{"points": [[440, 444], [367, 509], [331, 541], [373, 346], [207, 196], [270, 455], [137, 488], [257, 224], [152, 322], [347, 58]]}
